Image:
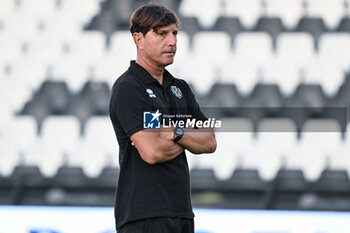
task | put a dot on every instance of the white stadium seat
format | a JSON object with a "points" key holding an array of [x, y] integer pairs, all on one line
{"points": [[207, 13], [99, 133], [331, 11], [242, 73], [289, 11], [215, 53], [38, 9], [295, 48], [319, 139], [122, 45], [10, 47], [335, 47], [253, 47], [325, 73], [9, 158], [21, 133], [60, 132], [283, 73], [248, 11], [89, 47], [7, 8]]}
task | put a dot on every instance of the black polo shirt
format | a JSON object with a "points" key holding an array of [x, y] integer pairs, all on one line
{"points": [[144, 190]]}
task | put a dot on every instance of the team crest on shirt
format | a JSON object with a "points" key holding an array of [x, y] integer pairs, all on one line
{"points": [[150, 93], [176, 91]]}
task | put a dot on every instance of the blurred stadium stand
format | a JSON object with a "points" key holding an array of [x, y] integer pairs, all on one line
{"points": [[275, 71]]}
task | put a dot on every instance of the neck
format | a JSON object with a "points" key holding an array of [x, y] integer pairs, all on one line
{"points": [[154, 70]]}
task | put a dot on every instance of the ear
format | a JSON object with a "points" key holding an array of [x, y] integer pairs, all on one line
{"points": [[138, 39]]}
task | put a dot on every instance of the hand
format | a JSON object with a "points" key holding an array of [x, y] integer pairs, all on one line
{"points": [[167, 133]]}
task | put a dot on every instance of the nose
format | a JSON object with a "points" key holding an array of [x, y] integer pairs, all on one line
{"points": [[172, 40]]}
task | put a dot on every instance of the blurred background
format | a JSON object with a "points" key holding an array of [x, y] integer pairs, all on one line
{"points": [[286, 61]]}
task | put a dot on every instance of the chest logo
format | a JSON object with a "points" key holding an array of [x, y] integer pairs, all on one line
{"points": [[150, 93], [176, 91]]}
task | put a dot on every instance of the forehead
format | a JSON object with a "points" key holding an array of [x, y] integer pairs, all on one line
{"points": [[171, 27]]}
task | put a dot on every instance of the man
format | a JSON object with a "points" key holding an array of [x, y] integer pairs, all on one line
{"points": [[153, 193]]}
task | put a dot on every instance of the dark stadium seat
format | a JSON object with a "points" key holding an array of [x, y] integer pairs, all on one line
{"points": [[38, 109], [6, 190], [290, 180], [308, 101], [204, 179], [70, 177], [231, 25], [344, 25], [245, 189], [223, 98], [271, 25], [191, 26], [57, 96], [333, 181], [108, 178], [266, 100], [313, 25], [97, 95], [289, 185]]}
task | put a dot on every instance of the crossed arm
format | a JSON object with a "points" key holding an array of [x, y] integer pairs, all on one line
{"points": [[158, 146]]}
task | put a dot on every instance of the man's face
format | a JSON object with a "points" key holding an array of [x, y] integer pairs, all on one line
{"points": [[159, 47]]}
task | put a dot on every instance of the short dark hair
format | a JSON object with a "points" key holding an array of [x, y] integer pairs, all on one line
{"points": [[152, 16]]}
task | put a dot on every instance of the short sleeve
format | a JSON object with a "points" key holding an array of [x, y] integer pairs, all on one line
{"points": [[193, 106], [128, 105]]}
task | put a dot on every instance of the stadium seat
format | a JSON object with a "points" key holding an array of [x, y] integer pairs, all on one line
{"points": [[190, 25], [212, 54], [30, 72], [21, 26], [45, 49], [230, 25], [207, 13], [289, 11], [21, 133], [270, 25], [296, 49], [335, 48], [38, 9], [248, 11], [183, 47], [56, 94], [7, 9], [241, 73], [45, 156], [253, 47], [76, 12], [123, 46], [71, 70], [313, 25], [97, 94], [11, 48], [89, 47], [344, 25], [330, 11], [266, 100], [60, 132], [108, 177], [271, 130], [11, 100], [9, 157], [70, 177], [99, 133], [282, 73], [325, 73], [89, 157], [333, 181], [224, 97], [204, 180]]}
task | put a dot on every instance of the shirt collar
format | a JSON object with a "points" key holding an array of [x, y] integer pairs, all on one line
{"points": [[147, 78]]}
